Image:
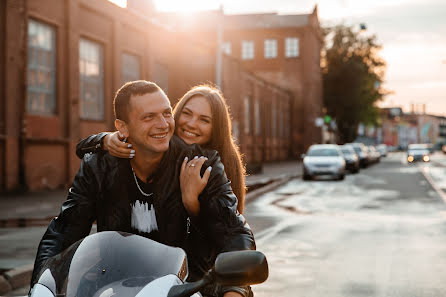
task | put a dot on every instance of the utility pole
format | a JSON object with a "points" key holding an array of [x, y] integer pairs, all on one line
{"points": [[219, 50]]}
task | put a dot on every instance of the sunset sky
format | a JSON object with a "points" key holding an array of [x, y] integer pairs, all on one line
{"points": [[412, 32]]}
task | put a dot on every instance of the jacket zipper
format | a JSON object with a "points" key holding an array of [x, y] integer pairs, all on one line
{"points": [[188, 225]]}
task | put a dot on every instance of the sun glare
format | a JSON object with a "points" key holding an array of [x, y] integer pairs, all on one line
{"points": [[183, 6], [120, 3]]}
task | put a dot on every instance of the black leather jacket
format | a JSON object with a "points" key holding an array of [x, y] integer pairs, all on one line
{"points": [[99, 193]]}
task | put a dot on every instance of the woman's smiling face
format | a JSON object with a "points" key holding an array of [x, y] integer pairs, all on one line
{"points": [[194, 124]]}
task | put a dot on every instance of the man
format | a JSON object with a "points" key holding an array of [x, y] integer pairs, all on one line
{"points": [[143, 195]]}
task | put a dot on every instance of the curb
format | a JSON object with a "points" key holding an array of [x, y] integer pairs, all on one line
{"points": [[5, 286], [15, 278], [24, 222], [269, 186]]}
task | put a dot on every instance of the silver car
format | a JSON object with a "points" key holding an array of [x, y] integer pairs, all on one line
{"points": [[323, 159]]}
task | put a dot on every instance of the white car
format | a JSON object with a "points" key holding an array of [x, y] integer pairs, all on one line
{"points": [[418, 152], [323, 159]]}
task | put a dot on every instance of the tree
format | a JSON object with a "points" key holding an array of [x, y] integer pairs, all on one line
{"points": [[352, 75]]}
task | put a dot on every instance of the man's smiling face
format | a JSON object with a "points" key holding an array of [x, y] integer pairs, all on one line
{"points": [[150, 125]]}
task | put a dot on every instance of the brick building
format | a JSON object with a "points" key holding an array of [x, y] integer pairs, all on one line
{"points": [[401, 129], [62, 61], [282, 49]]}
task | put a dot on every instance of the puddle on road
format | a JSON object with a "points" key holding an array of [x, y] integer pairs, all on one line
{"points": [[322, 197], [289, 208]]}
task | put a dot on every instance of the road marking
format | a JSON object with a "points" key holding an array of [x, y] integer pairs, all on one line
{"points": [[440, 192]]}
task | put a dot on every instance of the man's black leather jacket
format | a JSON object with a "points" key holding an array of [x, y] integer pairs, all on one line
{"points": [[99, 193]]}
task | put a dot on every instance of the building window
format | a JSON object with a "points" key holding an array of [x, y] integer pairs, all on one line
{"points": [[291, 47], [286, 123], [226, 48], [235, 131], [247, 115], [91, 80], [247, 50], [273, 119], [281, 120], [270, 48], [130, 68], [257, 117], [161, 76], [41, 68]]}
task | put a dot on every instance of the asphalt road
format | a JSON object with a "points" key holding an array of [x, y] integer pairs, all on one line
{"points": [[381, 232]]}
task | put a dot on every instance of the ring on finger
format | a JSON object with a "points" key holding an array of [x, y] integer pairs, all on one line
{"points": [[192, 165]]}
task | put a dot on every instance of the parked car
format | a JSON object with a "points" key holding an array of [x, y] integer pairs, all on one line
{"points": [[374, 155], [382, 149], [351, 158], [362, 152], [323, 159], [418, 152]]}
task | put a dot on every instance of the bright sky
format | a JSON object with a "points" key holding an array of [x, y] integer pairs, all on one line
{"points": [[412, 32]]}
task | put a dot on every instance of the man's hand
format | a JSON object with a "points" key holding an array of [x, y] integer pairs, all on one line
{"points": [[192, 184]]}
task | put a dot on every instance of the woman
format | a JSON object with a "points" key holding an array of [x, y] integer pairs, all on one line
{"points": [[202, 117]]}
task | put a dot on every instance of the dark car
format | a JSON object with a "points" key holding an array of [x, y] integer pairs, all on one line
{"points": [[351, 158], [362, 152]]}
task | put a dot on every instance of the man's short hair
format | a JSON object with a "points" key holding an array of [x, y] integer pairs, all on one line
{"points": [[129, 89]]}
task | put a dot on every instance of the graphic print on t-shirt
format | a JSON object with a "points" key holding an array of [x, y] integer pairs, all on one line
{"points": [[143, 217]]}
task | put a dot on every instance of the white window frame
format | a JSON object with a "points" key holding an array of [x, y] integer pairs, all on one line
{"points": [[292, 47], [41, 68], [91, 108], [226, 48], [247, 49], [270, 48]]}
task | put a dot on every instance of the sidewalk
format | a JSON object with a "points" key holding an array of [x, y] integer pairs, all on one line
{"points": [[24, 217]]}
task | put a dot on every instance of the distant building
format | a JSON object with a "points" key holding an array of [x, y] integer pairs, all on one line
{"points": [[401, 129], [282, 49]]}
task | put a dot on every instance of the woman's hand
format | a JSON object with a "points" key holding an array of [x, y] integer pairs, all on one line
{"points": [[113, 143], [192, 184]]}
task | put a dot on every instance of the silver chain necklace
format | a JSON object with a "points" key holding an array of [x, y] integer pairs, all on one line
{"points": [[137, 184]]}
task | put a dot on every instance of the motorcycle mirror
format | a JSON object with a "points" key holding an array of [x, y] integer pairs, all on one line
{"points": [[240, 268]]}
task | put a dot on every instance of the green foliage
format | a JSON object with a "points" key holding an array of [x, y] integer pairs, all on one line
{"points": [[352, 75]]}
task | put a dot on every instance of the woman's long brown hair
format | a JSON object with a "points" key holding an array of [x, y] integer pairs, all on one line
{"points": [[221, 137]]}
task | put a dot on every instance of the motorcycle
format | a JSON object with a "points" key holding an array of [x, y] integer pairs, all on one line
{"points": [[113, 263]]}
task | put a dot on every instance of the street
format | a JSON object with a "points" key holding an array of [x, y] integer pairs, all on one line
{"points": [[377, 233]]}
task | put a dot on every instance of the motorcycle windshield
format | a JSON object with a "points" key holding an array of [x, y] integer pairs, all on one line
{"points": [[112, 260]]}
